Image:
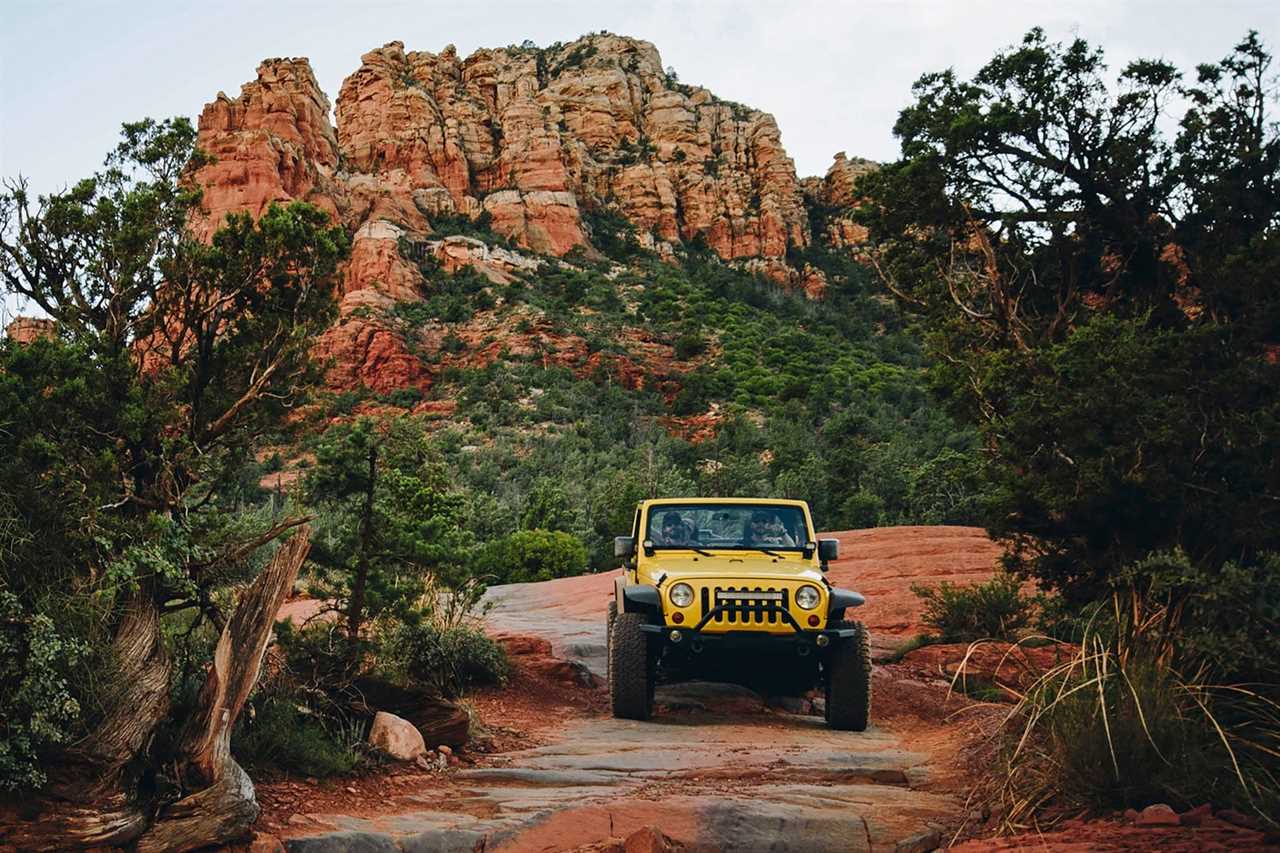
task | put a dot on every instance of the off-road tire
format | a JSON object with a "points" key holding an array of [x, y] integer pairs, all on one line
{"points": [[612, 614], [630, 668], [849, 680]]}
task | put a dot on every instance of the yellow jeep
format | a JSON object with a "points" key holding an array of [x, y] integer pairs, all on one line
{"points": [[733, 589]]}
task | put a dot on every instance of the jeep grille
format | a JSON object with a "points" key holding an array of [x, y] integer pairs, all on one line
{"points": [[746, 605]]}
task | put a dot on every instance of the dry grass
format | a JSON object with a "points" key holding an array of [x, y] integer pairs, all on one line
{"points": [[1118, 725]]}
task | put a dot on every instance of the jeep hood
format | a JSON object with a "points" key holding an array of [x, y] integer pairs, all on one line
{"points": [[734, 567]]}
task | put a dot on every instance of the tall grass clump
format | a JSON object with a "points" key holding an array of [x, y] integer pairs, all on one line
{"points": [[1129, 722]]}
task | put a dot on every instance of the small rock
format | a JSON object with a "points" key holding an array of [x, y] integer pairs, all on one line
{"points": [[1196, 816], [396, 736], [351, 789], [445, 749], [1158, 815], [648, 839], [1131, 814], [298, 819]]}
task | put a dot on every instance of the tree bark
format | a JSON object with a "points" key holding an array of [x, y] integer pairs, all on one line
{"points": [[91, 797], [219, 803]]}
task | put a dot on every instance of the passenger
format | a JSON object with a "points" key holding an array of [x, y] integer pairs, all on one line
{"points": [[766, 529]]}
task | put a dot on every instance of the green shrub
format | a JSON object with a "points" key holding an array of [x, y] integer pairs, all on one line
{"points": [[689, 345], [345, 403], [37, 709], [1227, 619], [279, 733], [996, 609], [447, 659], [532, 555], [405, 398]]}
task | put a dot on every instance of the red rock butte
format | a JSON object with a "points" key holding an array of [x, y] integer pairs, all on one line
{"points": [[537, 141]]}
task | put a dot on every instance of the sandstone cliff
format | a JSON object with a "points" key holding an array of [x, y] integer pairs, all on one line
{"points": [[832, 200], [540, 145], [537, 138]]}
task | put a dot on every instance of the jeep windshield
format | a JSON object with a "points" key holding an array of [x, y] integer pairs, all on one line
{"points": [[757, 527]]}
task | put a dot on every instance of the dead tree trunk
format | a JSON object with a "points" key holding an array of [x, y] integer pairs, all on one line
{"points": [[218, 803]]}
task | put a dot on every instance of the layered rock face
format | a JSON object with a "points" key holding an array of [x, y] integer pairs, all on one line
{"points": [[274, 143], [24, 330], [534, 137], [533, 143], [833, 196]]}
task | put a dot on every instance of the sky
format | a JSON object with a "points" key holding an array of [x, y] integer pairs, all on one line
{"points": [[833, 74]]}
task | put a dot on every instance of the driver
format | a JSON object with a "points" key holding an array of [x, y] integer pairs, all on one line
{"points": [[675, 531]]}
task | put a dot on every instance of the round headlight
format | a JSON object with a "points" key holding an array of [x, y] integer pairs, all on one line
{"points": [[681, 595], [808, 597]]}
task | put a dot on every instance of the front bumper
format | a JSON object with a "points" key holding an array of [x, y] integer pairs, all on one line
{"points": [[696, 640]]}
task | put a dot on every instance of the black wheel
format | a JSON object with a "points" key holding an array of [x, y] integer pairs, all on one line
{"points": [[630, 670], [849, 680], [612, 614]]}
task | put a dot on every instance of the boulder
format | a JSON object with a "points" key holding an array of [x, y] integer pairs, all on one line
{"points": [[439, 720], [396, 737]]}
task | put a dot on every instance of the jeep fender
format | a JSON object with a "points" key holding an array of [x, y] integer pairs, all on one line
{"points": [[636, 598], [841, 599]]}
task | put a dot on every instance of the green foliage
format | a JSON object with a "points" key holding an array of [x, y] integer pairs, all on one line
{"points": [[405, 398], [388, 525], [548, 508], [576, 58], [447, 658], [1099, 299], [690, 345], [996, 609], [531, 555], [282, 734], [1226, 620], [37, 709], [480, 228], [124, 440], [611, 232]]}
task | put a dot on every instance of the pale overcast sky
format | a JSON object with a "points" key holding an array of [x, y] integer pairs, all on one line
{"points": [[834, 74]]}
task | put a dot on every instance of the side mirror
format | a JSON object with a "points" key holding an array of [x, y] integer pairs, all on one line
{"points": [[624, 546], [828, 549]]}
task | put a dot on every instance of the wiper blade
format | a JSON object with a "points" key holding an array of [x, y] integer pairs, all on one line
{"points": [[702, 552], [770, 553]]}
